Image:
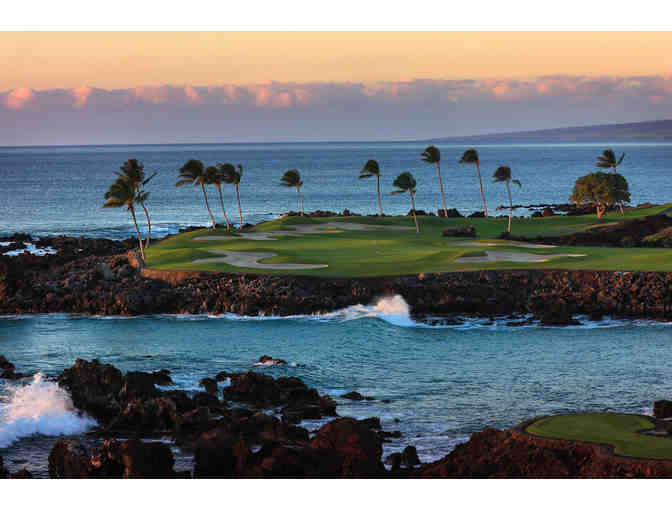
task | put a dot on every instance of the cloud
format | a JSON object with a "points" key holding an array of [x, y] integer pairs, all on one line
{"points": [[18, 99], [327, 110], [81, 95], [656, 89]]}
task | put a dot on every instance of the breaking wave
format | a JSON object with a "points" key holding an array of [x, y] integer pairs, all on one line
{"points": [[41, 407]]}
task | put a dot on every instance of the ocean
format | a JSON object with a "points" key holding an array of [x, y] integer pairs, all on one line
{"points": [[440, 384]]}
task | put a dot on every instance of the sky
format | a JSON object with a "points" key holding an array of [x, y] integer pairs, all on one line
{"points": [[165, 87]]}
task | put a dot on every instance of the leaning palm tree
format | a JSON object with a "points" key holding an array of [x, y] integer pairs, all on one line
{"points": [[405, 182], [608, 160], [503, 174], [231, 176], [292, 179], [433, 155], [471, 156], [134, 171], [193, 172], [213, 175], [372, 169], [123, 194]]}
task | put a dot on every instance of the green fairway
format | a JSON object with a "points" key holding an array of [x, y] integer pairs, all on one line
{"points": [[384, 249], [618, 430]]}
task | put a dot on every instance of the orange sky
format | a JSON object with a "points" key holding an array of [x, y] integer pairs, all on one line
{"points": [[43, 60]]}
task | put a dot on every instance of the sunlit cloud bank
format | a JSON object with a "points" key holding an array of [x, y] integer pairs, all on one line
{"points": [[573, 89], [341, 110]]}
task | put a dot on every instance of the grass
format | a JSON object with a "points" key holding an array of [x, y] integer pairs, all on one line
{"points": [[618, 430], [382, 252]]}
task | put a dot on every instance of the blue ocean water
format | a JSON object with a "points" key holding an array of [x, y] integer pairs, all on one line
{"points": [[443, 383], [47, 190]]}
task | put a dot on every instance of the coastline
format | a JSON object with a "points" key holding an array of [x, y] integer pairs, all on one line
{"points": [[83, 279]]}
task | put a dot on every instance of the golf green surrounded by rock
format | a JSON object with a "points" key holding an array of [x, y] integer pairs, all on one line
{"points": [[622, 431], [378, 246]]}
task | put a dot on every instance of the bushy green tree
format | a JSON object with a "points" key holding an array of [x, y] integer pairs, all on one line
{"points": [[608, 160], [600, 189]]}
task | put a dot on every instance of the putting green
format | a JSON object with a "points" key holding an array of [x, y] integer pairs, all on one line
{"points": [[622, 431], [373, 246]]}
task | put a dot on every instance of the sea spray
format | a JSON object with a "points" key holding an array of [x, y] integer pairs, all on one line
{"points": [[392, 309], [41, 407]]}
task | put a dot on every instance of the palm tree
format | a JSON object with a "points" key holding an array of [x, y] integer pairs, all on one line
{"points": [[123, 193], [503, 174], [471, 156], [608, 160], [433, 155], [372, 169], [292, 179], [134, 171], [213, 175], [405, 182], [193, 172], [231, 176]]}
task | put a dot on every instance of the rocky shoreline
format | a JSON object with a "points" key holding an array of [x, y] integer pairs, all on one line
{"points": [[102, 277], [249, 426]]}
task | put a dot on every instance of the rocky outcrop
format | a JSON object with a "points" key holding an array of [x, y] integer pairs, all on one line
{"points": [[662, 409], [95, 284], [300, 402], [114, 459], [355, 443], [637, 232], [515, 454], [7, 370]]}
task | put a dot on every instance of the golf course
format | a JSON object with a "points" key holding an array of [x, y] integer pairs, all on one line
{"points": [[357, 246], [622, 431]]}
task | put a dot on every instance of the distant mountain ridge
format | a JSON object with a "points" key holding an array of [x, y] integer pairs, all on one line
{"points": [[657, 130]]}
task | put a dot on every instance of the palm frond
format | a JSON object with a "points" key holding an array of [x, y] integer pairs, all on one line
{"points": [[621, 160], [405, 182], [516, 181], [503, 173], [469, 156], [431, 155], [149, 178], [370, 169], [291, 178]]}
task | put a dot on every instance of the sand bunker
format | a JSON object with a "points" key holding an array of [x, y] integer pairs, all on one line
{"points": [[322, 228], [507, 243], [251, 259], [515, 256]]}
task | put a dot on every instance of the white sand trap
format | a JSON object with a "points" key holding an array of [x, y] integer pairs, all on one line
{"points": [[507, 243], [251, 259], [322, 228], [515, 256]]}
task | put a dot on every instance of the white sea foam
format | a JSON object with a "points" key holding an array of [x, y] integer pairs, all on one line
{"points": [[31, 248], [41, 407]]}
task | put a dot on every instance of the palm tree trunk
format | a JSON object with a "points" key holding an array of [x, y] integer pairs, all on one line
{"points": [[207, 205], [443, 197], [135, 222], [415, 218], [620, 204], [298, 194], [480, 183], [508, 190], [240, 211], [380, 204], [221, 201], [149, 225]]}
